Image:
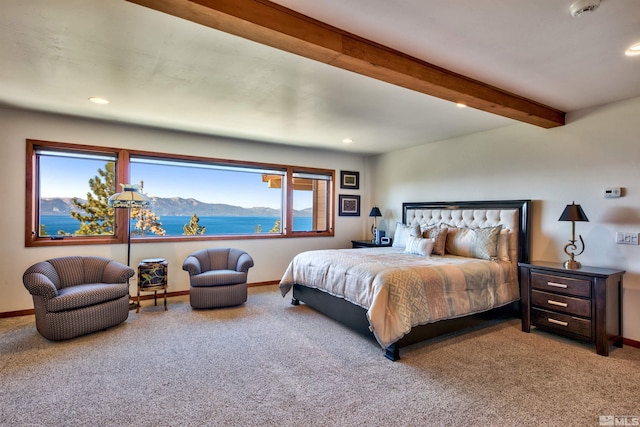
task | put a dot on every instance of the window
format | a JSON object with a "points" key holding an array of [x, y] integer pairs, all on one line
{"points": [[74, 203], [67, 190], [192, 197], [203, 198], [311, 201]]}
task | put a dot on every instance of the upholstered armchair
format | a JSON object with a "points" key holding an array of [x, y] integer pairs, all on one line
{"points": [[218, 277], [77, 295]]}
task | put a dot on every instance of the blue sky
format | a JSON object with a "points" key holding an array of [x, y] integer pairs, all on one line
{"points": [[69, 177], [207, 185]]}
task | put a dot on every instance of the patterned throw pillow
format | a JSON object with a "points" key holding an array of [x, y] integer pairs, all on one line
{"points": [[439, 235], [403, 232], [419, 246], [474, 242]]}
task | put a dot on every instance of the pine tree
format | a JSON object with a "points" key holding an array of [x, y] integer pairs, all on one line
{"points": [[276, 227], [193, 227], [95, 215], [146, 221]]}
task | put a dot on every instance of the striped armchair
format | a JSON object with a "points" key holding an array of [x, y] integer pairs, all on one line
{"points": [[77, 295], [218, 277]]}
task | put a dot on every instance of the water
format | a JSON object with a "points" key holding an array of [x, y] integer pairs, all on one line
{"points": [[174, 224]]}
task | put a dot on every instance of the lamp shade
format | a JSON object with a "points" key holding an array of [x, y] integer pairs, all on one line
{"points": [[573, 212], [375, 212], [129, 197]]}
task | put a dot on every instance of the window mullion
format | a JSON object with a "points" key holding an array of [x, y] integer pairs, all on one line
{"points": [[289, 203], [123, 172]]}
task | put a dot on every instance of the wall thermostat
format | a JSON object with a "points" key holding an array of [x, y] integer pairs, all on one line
{"points": [[612, 192]]}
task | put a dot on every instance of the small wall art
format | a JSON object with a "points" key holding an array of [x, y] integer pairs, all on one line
{"points": [[350, 180], [348, 205]]}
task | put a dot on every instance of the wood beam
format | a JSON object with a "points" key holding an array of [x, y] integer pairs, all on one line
{"points": [[271, 24]]}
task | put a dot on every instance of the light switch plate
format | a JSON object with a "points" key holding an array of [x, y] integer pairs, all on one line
{"points": [[624, 238]]}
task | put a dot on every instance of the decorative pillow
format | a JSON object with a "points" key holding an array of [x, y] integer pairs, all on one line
{"points": [[418, 246], [403, 232], [503, 245], [474, 242], [439, 236]]}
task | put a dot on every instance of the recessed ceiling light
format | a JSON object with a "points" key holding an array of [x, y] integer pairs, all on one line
{"points": [[634, 50], [98, 100], [347, 141], [461, 105]]}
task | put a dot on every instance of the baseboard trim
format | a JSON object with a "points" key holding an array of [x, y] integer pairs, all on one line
{"points": [[18, 313], [272, 282], [630, 342], [6, 314]]}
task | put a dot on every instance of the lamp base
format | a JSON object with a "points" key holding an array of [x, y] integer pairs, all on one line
{"points": [[572, 264]]}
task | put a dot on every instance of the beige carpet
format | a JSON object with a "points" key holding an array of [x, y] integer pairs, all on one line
{"points": [[268, 363]]}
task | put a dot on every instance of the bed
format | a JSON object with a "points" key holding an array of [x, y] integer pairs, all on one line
{"points": [[452, 265]]}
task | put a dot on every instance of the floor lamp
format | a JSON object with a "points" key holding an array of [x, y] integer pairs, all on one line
{"points": [[129, 198]]}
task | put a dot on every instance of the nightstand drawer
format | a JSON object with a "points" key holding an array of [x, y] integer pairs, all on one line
{"points": [[560, 284], [564, 304], [561, 322]]}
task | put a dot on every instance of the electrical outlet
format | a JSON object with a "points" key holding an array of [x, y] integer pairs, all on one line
{"points": [[624, 238]]}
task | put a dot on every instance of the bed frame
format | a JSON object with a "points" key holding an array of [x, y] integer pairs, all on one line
{"points": [[355, 317]]}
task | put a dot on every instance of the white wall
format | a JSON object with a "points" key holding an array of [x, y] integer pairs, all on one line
{"points": [[271, 256], [597, 148]]}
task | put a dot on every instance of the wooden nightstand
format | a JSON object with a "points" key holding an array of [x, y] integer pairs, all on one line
{"points": [[584, 304], [367, 244]]}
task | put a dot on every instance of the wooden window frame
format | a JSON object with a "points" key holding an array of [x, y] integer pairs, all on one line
{"points": [[123, 157]]}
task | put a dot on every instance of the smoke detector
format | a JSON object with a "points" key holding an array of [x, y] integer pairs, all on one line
{"points": [[583, 6]]}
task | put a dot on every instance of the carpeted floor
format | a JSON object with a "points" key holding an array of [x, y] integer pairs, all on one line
{"points": [[268, 363]]}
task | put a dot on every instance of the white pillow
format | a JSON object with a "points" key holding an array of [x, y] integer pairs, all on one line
{"points": [[419, 246], [403, 232]]}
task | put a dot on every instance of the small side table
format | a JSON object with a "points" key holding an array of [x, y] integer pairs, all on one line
{"points": [[584, 304], [152, 276], [367, 244]]}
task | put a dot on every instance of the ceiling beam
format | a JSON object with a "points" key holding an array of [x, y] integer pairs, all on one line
{"points": [[271, 24]]}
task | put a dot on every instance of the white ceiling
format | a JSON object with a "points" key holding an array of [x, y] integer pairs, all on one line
{"points": [[158, 70]]}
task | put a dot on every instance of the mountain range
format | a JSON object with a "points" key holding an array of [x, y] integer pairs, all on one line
{"points": [[173, 206]]}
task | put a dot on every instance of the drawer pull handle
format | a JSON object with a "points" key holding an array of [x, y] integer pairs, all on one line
{"points": [[557, 285], [557, 322], [558, 303]]}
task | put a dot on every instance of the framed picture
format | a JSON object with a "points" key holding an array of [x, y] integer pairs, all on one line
{"points": [[349, 205], [350, 180]]}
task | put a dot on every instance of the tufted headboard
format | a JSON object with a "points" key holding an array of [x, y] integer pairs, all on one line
{"points": [[511, 214]]}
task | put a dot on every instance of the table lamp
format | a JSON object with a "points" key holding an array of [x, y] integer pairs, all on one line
{"points": [[375, 212], [573, 213]]}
